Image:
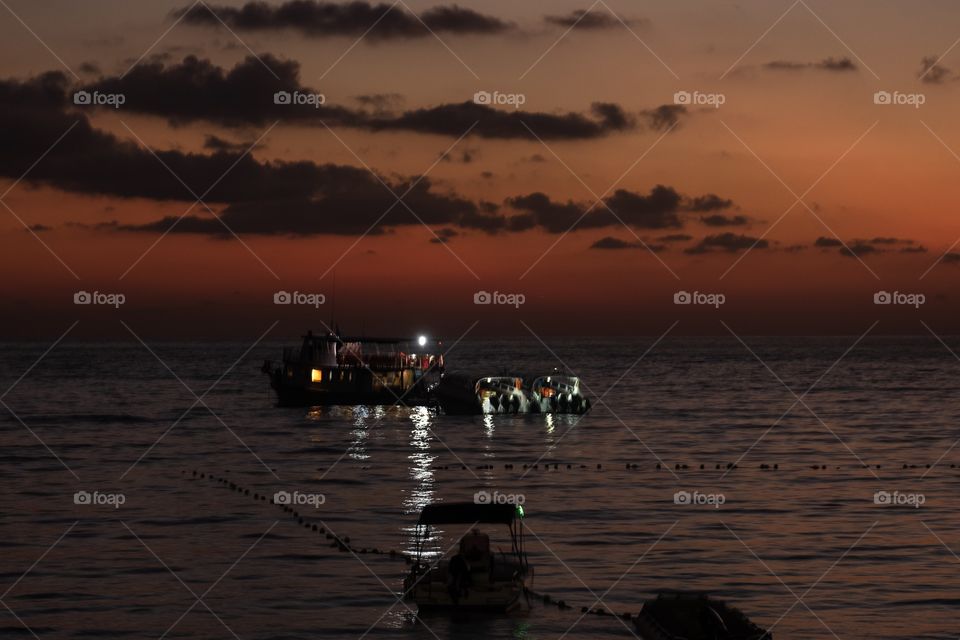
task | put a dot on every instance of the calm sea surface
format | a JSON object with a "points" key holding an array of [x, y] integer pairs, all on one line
{"points": [[806, 548]]}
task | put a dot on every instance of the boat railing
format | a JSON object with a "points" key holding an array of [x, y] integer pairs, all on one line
{"points": [[376, 361]]}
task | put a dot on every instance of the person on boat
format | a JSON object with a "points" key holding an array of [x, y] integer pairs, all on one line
{"points": [[475, 547], [458, 577]]}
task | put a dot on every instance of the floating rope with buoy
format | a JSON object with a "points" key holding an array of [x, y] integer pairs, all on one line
{"points": [[343, 544]]}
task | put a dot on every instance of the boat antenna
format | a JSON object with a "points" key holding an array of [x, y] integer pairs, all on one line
{"points": [[333, 300]]}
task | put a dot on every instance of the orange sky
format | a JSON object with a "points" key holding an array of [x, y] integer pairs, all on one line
{"points": [[881, 171]]}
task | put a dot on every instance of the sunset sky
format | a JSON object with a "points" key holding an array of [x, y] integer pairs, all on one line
{"points": [[598, 198]]}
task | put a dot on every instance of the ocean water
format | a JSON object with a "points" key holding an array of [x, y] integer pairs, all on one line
{"points": [[803, 547]]}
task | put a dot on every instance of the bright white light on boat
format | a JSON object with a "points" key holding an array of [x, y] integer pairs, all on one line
{"points": [[422, 340]]}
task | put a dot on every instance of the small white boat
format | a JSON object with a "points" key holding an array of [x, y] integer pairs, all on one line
{"points": [[476, 575], [558, 394], [502, 394]]}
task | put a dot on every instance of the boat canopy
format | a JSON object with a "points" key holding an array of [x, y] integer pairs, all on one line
{"points": [[331, 337], [468, 512]]}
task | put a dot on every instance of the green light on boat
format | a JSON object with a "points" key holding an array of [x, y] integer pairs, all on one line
{"points": [[520, 510]]}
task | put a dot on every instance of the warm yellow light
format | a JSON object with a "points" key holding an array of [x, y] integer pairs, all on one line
{"points": [[316, 375]]}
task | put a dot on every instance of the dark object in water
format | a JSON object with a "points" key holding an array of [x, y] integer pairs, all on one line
{"points": [[694, 615]]}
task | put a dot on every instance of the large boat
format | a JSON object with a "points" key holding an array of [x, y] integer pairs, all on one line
{"points": [[332, 369], [476, 576]]}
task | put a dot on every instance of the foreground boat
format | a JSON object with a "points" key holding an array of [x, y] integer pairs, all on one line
{"points": [[476, 576], [337, 370], [693, 615]]}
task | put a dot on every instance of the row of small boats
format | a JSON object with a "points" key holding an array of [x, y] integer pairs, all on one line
{"points": [[464, 394]]}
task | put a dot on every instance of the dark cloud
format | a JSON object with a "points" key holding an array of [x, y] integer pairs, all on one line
{"points": [[586, 19], [301, 197], [443, 236], [455, 119], [675, 237], [879, 244], [657, 210], [315, 18], [828, 242], [536, 158], [380, 102], [951, 258], [858, 248], [827, 64], [708, 202], [325, 212], [718, 220], [196, 89], [933, 73], [87, 160], [464, 156], [611, 243], [665, 116], [890, 241], [729, 242], [263, 197], [538, 210], [216, 143]]}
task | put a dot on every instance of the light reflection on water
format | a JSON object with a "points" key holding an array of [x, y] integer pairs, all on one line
{"points": [[420, 470]]}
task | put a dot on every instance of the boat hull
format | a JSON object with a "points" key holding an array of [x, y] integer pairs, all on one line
{"points": [[293, 394], [505, 597]]}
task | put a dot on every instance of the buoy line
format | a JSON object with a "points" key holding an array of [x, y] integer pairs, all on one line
{"points": [[711, 466], [343, 544]]}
